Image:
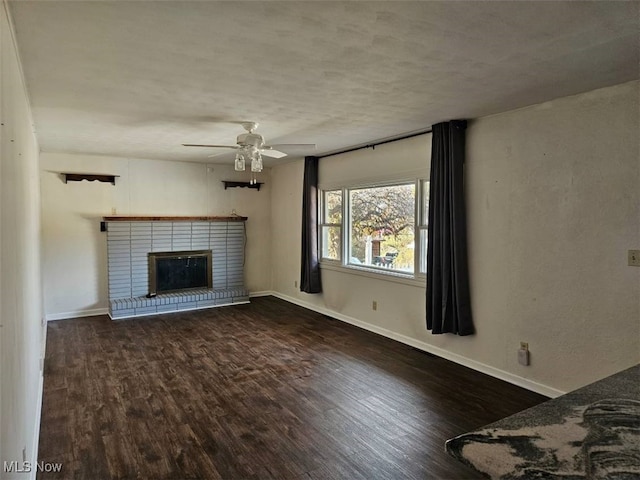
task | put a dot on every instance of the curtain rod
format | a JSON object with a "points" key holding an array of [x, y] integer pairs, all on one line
{"points": [[374, 145]]}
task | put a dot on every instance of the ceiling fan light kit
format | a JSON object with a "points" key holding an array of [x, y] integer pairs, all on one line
{"points": [[250, 148], [248, 155], [254, 155], [256, 162], [239, 163]]}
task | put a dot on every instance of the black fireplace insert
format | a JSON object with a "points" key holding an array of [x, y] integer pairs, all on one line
{"points": [[178, 271]]}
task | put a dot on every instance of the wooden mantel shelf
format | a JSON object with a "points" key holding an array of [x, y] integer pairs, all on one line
{"points": [[233, 218]]}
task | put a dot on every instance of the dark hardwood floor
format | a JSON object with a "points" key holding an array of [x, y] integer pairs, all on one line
{"points": [[265, 390]]}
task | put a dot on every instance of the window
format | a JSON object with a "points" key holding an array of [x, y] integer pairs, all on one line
{"points": [[331, 225], [381, 226], [385, 227], [423, 225]]}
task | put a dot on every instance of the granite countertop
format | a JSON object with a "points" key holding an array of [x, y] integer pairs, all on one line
{"points": [[590, 433]]}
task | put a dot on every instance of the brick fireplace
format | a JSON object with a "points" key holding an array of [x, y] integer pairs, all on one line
{"points": [[130, 240]]}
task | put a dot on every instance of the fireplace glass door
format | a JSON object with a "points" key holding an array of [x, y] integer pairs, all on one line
{"points": [[178, 271]]}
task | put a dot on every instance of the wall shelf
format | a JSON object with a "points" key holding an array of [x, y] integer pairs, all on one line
{"points": [[100, 177], [230, 184]]}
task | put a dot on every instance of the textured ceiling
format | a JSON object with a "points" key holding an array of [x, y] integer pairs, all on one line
{"points": [[139, 78]]}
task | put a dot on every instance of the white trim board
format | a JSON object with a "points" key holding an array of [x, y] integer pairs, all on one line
{"points": [[78, 313], [263, 293], [459, 359], [36, 434], [14, 43]]}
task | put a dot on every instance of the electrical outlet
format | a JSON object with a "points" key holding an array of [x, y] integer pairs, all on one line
{"points": [[523, 357], [295, 283], [374, 305], [523, 354], [634, 258]]}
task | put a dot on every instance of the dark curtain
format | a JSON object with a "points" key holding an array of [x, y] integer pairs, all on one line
{"points": [[448, 300], [310, 266]]}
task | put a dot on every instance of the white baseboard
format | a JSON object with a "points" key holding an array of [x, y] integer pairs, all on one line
{"points": [[38, 416], [263, 293], [36, 434], [78, 313], [454, 357]]}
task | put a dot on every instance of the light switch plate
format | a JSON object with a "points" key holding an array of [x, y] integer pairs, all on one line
{"points": [[634, 258]]}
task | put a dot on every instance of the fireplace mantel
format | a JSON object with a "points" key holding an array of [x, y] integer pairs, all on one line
{"points": [[233, 218]]}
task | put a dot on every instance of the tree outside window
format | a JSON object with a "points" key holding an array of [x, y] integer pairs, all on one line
{"points": [[382, 226]]}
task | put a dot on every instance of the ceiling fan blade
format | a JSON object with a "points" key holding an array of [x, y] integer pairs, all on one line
{"points": [[284, 146], [272, 153], [235, 147], [220, 154]]}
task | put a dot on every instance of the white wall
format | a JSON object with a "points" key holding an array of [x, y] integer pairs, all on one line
{"points": [[21, 331], [409, 158], [553, 194], [74, 249]]}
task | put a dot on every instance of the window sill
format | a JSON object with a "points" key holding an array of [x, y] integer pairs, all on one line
{"points": [[396, 277]]}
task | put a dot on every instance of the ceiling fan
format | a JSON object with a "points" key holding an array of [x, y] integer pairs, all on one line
{"points": [[251, 146]]}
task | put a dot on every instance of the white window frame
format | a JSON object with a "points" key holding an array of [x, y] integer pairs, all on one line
{"points": [[344, 265], [323, 223], [422, 221]]}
